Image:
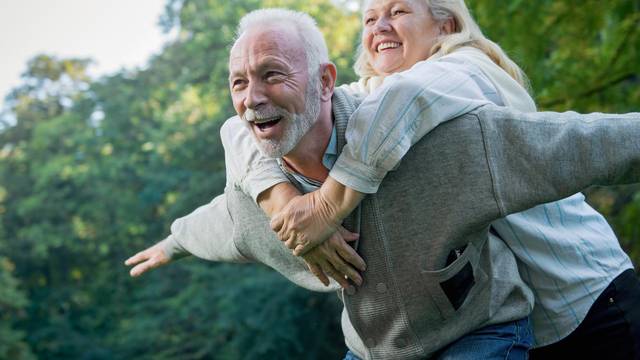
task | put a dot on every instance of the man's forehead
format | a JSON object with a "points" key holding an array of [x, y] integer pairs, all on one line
{"points": [[273, 40]]}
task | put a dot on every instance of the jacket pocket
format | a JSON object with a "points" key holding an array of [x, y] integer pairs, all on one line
{"points": [[455, 286]]}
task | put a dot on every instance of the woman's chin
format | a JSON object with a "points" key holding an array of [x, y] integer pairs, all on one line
{"points": [[388, 67]]}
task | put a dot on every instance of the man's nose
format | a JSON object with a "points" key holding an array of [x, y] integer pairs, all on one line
{"points": [[382, 25], [255, 96]]}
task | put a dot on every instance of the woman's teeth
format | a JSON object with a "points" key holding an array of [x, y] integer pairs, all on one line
{"points": [[388, 45]]}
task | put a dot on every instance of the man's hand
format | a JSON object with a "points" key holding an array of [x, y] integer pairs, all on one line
{"points": [[148, 259], [336, 259], [305, 222]]}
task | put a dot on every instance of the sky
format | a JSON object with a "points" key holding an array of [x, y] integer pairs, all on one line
{"points": [[116, 34]]}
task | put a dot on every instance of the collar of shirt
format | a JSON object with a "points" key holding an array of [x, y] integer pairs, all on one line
{"points": [[328, 159]]}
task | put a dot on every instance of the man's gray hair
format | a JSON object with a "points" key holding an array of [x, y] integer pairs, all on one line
{"points": [[307, 29]]}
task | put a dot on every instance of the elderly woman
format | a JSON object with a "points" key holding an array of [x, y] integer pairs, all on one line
{"points": [[567, 252]]}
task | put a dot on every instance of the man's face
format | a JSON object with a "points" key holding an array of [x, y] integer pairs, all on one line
{"points": [[271, 89]]}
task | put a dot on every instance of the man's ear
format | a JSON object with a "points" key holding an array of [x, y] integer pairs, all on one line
{"points": [[448, 26], [328, 78]]}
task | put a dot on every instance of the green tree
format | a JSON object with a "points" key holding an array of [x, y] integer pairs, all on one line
{"points": [[12, 303]]}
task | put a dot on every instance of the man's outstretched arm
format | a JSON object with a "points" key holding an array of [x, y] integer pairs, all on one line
{"points": [[206, 233], [540, 157]]}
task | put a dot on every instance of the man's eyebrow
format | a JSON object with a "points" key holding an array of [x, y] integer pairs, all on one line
{"points": [[235, 73], [268, 62], [271, 62]]}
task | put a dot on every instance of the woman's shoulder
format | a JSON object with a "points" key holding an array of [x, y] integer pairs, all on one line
{"points": [[465, 54], [363, 86]]}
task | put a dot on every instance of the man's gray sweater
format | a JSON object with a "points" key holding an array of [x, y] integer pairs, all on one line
{"points": [[440, 201]]}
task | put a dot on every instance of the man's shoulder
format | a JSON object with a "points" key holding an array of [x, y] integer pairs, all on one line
{"points": [[345, 101], [231, 124], [234, 131]]}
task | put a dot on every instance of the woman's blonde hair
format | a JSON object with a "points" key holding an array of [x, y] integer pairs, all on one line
{"points": [[466, 32]]}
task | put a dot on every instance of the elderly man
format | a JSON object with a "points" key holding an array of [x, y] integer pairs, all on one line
{"points": [[412, 303]]}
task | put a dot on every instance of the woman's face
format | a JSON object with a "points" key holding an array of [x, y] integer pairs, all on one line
{"points": [[397, 34]]}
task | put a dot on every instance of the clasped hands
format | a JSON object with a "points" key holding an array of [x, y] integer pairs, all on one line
{"points": [[310, 226]]}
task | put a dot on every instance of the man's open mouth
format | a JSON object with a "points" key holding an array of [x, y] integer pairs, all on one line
{"points": [[267, 123]]}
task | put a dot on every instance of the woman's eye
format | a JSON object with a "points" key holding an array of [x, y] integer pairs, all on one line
{"points": [[369, 20], [398, 12]]}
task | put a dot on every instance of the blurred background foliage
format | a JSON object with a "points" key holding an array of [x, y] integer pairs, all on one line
{"points": [[93, 170]]}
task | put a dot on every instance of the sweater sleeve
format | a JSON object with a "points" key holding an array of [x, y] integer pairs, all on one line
{"points": [[536, 158], [206, 233], [247, 168], [406, 107]]}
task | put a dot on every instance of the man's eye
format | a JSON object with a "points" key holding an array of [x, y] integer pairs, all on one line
{"points": [[398, 12], [238, 84], [273, 75], [369, 20]]}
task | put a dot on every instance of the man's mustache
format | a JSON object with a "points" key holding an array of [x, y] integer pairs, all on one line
{"points": [[266, 114]]}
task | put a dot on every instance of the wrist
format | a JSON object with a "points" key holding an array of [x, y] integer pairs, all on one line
{"points": [[341, 200], [276, 198]]}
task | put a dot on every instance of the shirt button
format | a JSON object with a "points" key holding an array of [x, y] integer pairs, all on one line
{"points": [[351, 290], [370, 343], [381, 288], [611, 301]]}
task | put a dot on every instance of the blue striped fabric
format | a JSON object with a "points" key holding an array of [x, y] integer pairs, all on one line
{"points": [[568, 254]]}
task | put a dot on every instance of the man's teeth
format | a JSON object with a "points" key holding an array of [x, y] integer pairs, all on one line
{"points": [[388, 45], [267, 123], [266, 120]]}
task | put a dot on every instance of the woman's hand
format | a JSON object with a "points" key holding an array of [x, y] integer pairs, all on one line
{"points": [[305, 222], [310, 219], [336, 259]]}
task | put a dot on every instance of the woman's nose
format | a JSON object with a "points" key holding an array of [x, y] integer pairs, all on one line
{"points": [[382, 25]]}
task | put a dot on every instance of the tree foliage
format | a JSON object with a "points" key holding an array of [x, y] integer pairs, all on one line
{"points": [[92, 170]]}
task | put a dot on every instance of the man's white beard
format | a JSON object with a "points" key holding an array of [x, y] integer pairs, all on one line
{"points": [[296, 125]]}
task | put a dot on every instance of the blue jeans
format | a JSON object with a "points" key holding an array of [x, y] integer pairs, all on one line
{"points": [[507, 341], [351, 356]]}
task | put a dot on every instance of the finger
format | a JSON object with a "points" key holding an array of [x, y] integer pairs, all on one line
{"points": [[291, 242], [277, 221], [142, 255], [345, 269], [300, 250], [335, 274], [283, 234], [348, 254], [315, 270], [141, 268], [348, 235]]}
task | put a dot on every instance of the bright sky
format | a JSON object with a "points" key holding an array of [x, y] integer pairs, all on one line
{"points": [[115, 33]]}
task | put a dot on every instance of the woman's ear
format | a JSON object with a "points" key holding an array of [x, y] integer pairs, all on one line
{"points": [[448, 26], [328, 80]]}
